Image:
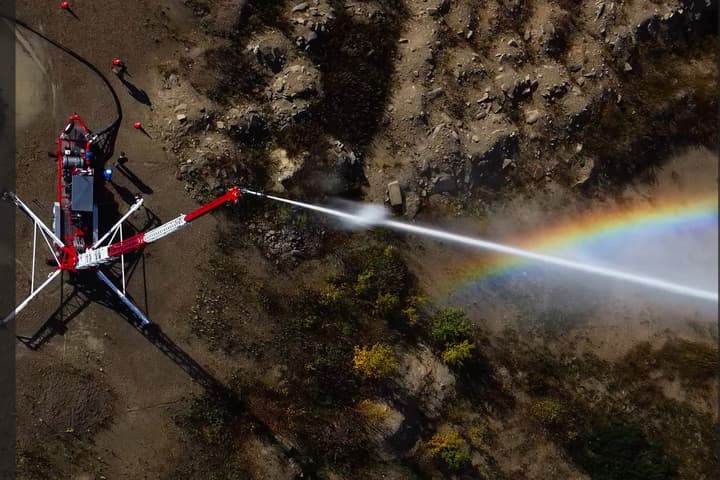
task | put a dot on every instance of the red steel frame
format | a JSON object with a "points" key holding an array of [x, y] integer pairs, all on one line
{"points": [[62, 198], [138, 241], [66, 253]]}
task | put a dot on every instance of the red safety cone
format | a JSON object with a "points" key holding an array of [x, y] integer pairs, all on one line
{"points": [[65, 5], [139, 127], [118, 68]]}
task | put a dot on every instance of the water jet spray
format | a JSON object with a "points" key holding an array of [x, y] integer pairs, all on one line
{"points": [[374, 220]]}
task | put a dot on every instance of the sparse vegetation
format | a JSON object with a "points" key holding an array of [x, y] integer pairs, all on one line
{"points": [[693, 361], [199, 7], [208, 321], [379, 361], [448, 448], [450, 325], [372, 411], [166, 69], [211, 417], [555, 417], [483, 110], [34, 465], [456, 354], [211, 425]]}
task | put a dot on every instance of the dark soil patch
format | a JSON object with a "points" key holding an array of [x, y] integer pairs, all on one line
{"points": [[63, 399], [58, 417]]}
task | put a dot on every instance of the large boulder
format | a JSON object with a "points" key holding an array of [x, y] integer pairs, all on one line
{"points": [[273, 50], [294, 92], [348, 168], [487, 168], [300, 80], [310, 21], [443, 153], [426, 379], [285, 168]]}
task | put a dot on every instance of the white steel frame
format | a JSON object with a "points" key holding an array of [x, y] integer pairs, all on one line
{"points": [[48, 235]]}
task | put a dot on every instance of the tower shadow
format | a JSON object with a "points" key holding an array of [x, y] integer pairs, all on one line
{"points": [[86, 289]]}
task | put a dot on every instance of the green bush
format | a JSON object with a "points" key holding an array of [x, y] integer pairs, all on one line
{"points": [[455, 355], [212, 416], [450, 325], [555, 417], [410, 312], [379, 361], [365, 282], [449, 448], [382, 271], [331, 295], [386, 305]]}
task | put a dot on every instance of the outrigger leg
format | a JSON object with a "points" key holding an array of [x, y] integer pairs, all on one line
{"points": [[144, 321], [33, 294]]}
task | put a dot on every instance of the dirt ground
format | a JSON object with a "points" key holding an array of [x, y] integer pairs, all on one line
{"points": [[141, 381], [422, 92]]}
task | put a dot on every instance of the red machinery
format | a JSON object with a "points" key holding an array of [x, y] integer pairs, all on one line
{"points": [[76, 217]]}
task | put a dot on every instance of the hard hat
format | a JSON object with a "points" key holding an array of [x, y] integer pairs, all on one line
{"points": [[107, 173]]}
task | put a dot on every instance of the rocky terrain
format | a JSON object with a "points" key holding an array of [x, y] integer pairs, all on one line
{"points": [[491, 93], [318, 352], [461, 102]]}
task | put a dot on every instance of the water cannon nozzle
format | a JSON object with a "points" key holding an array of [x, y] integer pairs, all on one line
{"points": [[252, 192]]}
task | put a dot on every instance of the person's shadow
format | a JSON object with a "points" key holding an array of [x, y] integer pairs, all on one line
{"points": [[130, 175], [126, 195], [137, 93]]}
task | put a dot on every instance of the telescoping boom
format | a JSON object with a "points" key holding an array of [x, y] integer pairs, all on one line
{"points": [[95, 257], [68, 259], [73, 241]]}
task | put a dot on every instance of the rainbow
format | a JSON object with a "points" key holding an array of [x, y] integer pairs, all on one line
{"points": [[594, 229]]}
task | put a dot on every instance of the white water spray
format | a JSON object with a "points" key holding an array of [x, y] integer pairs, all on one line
{"points": [[372, 219]]}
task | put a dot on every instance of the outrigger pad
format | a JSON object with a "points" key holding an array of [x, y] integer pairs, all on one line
{"points": [[82, 193]]}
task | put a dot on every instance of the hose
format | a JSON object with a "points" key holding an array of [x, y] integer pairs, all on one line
{"points": [[118, 109]]}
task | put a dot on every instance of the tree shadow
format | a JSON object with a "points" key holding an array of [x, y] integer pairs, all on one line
{"points": [[478, 380], [87, 289], [357, 64]]}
